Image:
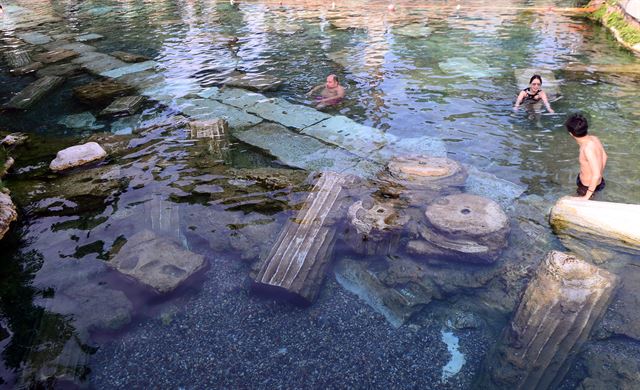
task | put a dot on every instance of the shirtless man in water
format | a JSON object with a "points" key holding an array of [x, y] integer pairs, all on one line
{"points": [[331, 94], [592, 158]]}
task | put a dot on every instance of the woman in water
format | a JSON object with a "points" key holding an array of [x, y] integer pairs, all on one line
{"points": [[533, 94]]}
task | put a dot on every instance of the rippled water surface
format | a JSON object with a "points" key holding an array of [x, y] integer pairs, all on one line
{"points": [[436, 71]]}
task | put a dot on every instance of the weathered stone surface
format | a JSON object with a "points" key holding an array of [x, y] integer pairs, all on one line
{"points": [[77, 155], [127, 105], [597, 230], [54, 56], [550, 85], [128, 69], [287, 114], [17, 59], [348, 134], [623, 317], [32, 67], [414, 30], [490, 186], [34, 92], [557, 312], [101, 93], [216, 128], [88, 37], [84, 120], [421, 179], [253, 82], [129, 57], [297, 262], [62, 70], [8, 213], [14, 139], [235, 97], [78, 47], [34, 38], [612, 364], [395, 306], [156, 261], [465, 228], [375, 226], [203, 109]]}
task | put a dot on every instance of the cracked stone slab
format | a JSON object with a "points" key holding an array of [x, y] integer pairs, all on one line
{"points": [[35, 38], [34, 92], [287, 114], [297, 150], [236, 97], [129, 68], [348, 134], [209, 109]]}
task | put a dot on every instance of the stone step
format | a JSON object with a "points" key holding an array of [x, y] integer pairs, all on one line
{"points": [[34, 92], [125, 105]]}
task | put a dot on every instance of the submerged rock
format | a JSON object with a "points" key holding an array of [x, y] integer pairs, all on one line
{"points": [[254, 82], [77, 155], [34, 92], [84, 120], [88, 37], [35, 38], [129, 57], [54, 56], [465, 228], [156, 261], [8, 213], [465, 67], [127, 105], [14, 139], [101, 93]]}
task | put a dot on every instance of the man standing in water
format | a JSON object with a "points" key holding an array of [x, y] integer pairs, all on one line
{"points": [[331, 94], [592, 157]]}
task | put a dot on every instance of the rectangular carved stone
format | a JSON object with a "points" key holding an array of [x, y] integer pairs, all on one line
{"points": [[124, 105], [54, 56], [17, 59], [297, 262], [557, 312], [34, 92]]}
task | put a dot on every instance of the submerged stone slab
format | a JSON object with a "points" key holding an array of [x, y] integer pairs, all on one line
{"points": [[89, 56], [287, 114], [88, 37], [34, 92], [17, 59], [78, 47], [129, 57], [103, 64], [54, 56], [32, 67], [563, 301], [77, 155], [549, 83], [156, 261], [34, 38], [347, 134], [84, 120], [253, 82], [465, 67], [101, 93], [414, 30], [296, 150], [236, 97], [127, 69], [8, 213], [62, 70], [125, 105], [597, 230], [490, 186], [203, 109]]}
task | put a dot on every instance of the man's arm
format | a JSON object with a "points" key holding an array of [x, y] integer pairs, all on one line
{"points": [[596, 172], [314, 89]]}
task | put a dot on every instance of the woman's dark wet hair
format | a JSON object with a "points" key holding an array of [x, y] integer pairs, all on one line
{"points": [[535, 76], [577, 125]]}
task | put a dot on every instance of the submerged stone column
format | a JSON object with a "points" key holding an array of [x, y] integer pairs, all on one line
{"points": [[298, 261], [557, 312]]}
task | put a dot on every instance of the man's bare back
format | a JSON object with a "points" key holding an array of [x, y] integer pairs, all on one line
{"points": [[592, 157]]}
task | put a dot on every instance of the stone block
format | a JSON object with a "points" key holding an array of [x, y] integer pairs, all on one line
{"points": [[128, 69], [88, 37], [34, 38], [34, 92], [129, 57], [287, 114], [101, 93], [253, 82], [54, 56], [77, 155], [127, 105]]}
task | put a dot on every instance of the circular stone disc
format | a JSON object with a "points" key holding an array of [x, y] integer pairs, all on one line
{"points": [[423, 167], [466, 214]]}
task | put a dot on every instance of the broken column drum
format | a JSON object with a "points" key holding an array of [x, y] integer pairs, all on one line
{"points": [[420, 179], [297, 263], [216, 132], [558, 310], [374, 226], [464, 227]]}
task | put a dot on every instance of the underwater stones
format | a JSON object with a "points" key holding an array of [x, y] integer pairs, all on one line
{"points": [[84, 120], [32, 67], [396, 307], [80, 48], [348, 134], [414, 30], [287, 114], [54, 56], [17, 59], [554, 318], [34, 92], [420, 179], [216, 128], [253, 82], [549, 83], [88, 37], [156, 261], [62, 70], [34, 38], [8, 213], [129, 57], [235, 97], [128, 69], [297, 262], [203, 109], [374, 226], [465, 67], [101, 93], [103, 64], [612, 364], [607, 227], [77, 155], [126, 105], [14, 139], [489, 185], [464, 227]]}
